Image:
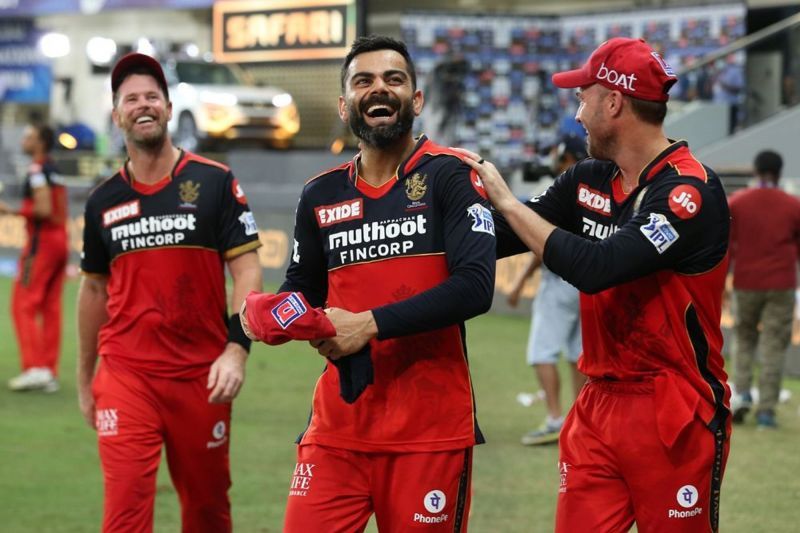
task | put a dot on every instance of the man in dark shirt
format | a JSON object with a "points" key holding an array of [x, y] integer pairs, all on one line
{"points": [[641, 228]]}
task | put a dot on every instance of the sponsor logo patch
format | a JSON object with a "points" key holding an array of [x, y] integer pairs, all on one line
{"points": [[288, 310], [613, 77], [435, 501], [477, 184], [238, 192], [562, 475], [249, 222], [687, 497], [685, 201], [659, 232], [663, 64], [106, 422], [327, 215], [121, 212], [296, 251], [597, 230], [482, 221], [594, 200], [301, 479], [218, 433]]}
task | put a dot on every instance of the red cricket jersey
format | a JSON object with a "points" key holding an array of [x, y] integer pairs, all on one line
{"points": [[163, 247]]}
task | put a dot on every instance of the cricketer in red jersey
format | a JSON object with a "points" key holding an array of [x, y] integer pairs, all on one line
{"points": [[641, 228], [399, 243], [38, 287], [152, 303]]}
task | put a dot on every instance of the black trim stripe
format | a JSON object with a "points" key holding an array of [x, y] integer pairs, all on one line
{"points": [[479, 438], [464, 486], [700, 344], [716, 479], [718, 423]]}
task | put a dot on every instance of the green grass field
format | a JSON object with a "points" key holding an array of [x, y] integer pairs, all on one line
{"points": [[50, 477]]}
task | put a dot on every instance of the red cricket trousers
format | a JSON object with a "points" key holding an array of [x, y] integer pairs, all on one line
{"points": [[336, 491], [36, 302], [614, 468], [135, 415]]}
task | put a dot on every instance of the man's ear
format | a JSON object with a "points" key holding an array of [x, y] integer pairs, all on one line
{"points": [[343, 112], [614, 103], [418, 101]]}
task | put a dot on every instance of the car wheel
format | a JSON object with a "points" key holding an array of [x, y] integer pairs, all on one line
{"points": [[186, 134]]}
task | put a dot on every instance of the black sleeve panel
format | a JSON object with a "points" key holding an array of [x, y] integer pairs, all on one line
{"points": [[556, 205], [307, 272], [654, 239], [94, 256], [469, 243], [236, 225]]}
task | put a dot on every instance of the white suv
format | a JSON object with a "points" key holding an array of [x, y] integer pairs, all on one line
{"points": [[213, 102]]}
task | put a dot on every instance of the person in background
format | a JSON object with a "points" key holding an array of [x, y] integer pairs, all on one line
{"points": [[555, 321], [39, 284], [765, 240]]}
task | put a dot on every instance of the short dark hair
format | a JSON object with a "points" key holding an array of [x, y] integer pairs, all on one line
{"points": [[46, 135], [145, 71], [372, 43], [648, 111], [769, 163]]}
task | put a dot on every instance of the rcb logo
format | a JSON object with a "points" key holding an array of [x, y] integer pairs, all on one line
{"points": [[189, 192], [416, 187]]}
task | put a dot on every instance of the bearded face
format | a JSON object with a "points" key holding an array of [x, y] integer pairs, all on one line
{"points": [[142, 112], [381, 119]]}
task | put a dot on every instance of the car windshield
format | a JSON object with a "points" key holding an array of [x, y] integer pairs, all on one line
{"points": [[206, 74]]}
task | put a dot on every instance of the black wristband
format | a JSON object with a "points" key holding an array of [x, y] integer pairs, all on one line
{"points": [[236, 333]]}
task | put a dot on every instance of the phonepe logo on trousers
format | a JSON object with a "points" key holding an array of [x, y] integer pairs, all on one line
{"points": [[301, 479], [365, 243], [434, 503], [686, 497], [218, 433]]}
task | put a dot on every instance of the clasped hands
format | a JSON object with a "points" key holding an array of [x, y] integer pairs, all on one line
{"points": [[353, 331]]}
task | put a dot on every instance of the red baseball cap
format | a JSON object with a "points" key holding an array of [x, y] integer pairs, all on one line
{"points": [[629, 66], [279, 318], [133, 61]]}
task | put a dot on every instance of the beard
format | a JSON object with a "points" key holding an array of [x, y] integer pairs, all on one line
{"points": [[151, 141], [601, 144], [381, 136]]}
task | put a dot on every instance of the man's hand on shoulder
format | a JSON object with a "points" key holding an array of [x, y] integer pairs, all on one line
{"points": [[353, 331], [226, 376]]}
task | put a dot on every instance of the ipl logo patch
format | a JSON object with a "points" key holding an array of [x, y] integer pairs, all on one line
{"points": [[687, 496], [482, 221], [435, 501], [288, 310]]}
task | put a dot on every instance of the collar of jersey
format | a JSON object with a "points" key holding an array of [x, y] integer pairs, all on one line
{"points": [[151, 188]]}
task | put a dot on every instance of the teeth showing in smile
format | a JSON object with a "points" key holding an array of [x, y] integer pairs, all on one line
{"points": [[143, 119], [379, 111]]}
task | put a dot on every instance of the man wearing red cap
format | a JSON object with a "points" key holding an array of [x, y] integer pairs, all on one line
{"points": [[152, 303], [399, 243], [641, 228]]}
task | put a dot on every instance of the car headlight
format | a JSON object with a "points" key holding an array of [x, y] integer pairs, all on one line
{"points": [[282, 100]]}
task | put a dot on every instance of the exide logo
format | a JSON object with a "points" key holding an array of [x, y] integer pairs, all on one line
{"points": [[594, 200], [685, 201], [328, 215], [615, 78]]}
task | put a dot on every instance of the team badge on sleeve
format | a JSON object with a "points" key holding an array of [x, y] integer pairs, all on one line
{"points": [[482, 221], [659, 232], [288, 310], [685, 201]]}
